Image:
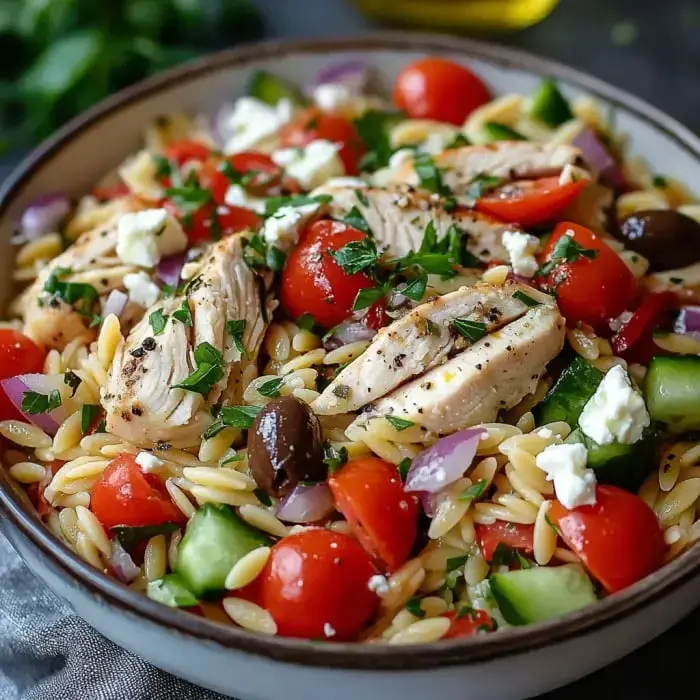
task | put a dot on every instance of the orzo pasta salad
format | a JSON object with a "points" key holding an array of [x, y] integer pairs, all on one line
{"points": [[346, 368]]}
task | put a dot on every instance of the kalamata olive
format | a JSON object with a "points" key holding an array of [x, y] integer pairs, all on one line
{"points": [[285, 447], [667, 238]]}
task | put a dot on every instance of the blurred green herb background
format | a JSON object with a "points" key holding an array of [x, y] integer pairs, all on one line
{"points": [[58, 57]]}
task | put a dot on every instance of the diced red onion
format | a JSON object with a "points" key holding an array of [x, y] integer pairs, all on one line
{"points": [[170, 268], [43, 215], [116, 301], [444, 462], [122, 564], [16, 387], [307, 503], [352, 73], [688, 321], [596, 155], [347, 332]]}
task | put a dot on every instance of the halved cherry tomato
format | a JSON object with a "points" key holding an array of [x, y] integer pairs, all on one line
{"points": [[124, 495], [369, 493], [315, 586], [201, 226], [184, 151], [436, 88], [530, 202], [18, 355], [468, 624], [618, 539], [105, 194], [268, 175], [635, 341], [513, 535], [314, 124], [312, 282], [589, 289]]}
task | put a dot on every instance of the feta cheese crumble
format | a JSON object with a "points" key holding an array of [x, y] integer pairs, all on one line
{"points": [[283, 227], [565, 466], [342, 182], [237, 196], [333, 97], [328, 629], [378, 584], [144, 237], [141, 289], [521, 249], [253, 122], [148, 462], [616, 412], [312, 165], [400, 157]]}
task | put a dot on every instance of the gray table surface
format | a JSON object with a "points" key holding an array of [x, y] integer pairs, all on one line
{"points": [[662, 65]]}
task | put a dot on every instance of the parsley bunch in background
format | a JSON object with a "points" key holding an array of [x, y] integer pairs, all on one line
{"points": [[61, 56]]}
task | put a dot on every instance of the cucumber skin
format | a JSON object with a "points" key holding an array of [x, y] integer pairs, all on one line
{"points": [[171, 591], [500, 132], [550, 106], [663, 373], [270, 89]]}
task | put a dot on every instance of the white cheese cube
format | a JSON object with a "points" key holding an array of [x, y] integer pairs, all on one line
{"points": [[253, 122], [312, 165], [144, 237], [401, 157], [237, 196], [282, 229], [565, 466], [148, 462], [521, 248], [333, 97], [141, 289]]}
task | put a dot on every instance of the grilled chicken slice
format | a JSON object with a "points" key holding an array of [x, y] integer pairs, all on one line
{"points": [[140, 404], [492, 375], [509, 160], [398, 216], [424, 338]]}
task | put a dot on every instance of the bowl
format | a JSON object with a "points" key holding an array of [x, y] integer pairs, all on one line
{"points": [[515, 663]]}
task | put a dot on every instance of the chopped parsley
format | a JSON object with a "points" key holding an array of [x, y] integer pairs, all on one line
{"points": [[502, 132], [362, 198], [471, 493], [241, 417], [527, 300], [183, 314], [271, 388], [210, 370], [164, 167], [306, 322], [334, 458], [550, 523], [274, 204], [88, 413], [471, 330], [566, 250], [129, 537], [82, 297], [263, 497], [236, 177], [414, 607], [524, 563], [34, 402], [368, 296], [463, 610], [190, 197], [480, 185], [415, 289], [236, 329], [459, 140], [355, 219], [232, 459], [373, 128], [454, 563], [72, 380], [502, 555], [429, 174], [403, 466], [275, 258], [659, 181], [356, 256], [399, 423], [157, 320]]}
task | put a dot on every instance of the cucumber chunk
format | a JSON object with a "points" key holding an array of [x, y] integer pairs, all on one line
{"points": [[550, 106], [171, 591], [270, 89], [672, 392], [500, 132], [216, 538], [541, 593]]}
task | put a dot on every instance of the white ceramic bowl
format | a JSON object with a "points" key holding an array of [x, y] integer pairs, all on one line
{"points": [[515, 663]]}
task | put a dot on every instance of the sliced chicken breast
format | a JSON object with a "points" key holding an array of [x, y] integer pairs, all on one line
{"points": [[139, 401], [422, 339], [509, 160], [492, 375]]}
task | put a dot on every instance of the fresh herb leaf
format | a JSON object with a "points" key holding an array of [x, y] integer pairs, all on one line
{"points": [[190, 197], [241, 417], [454, 563], [72, 380], [567, 250], [236, 330], [129, 537], [263, 497], [429, 241], [274, 204], [334, 458], [459, 140], [403, 466], [527, 300], [432, 263], [88, 413], [414, 607], [659, 181], [368, 296], [236, 177], [209, 370], [415, 289], [356, 256], [480, 185], [271, 388], [502, 555], [355, 219], [362, 198], [373, 128], [157, 320], [429, 175], [183, 314], [464, 610], [501, 132], [399, 424], [95, 321], [550, 523], [306, 322], [206, 352], [82, 297], [471, 330], [275, 258], [167, 290], [471, 493], [524, 563], [164, 167], [33, 402], [676, 280]]}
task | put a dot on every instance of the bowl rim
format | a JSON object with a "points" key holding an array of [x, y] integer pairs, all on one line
{"points": [[509, 642]]}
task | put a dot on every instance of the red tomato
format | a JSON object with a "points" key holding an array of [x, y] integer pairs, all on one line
{"points": [[468, 624], [530, 202], [314, 124], [369, 493], [36, 491], [312, 282], [618, 539], [104, 194], [635, 341], [592, 290], [513, 535], [198, 225], [18, 355], [268, 175], [315, 586], [184, 151], [124, 495], [436, 88]]}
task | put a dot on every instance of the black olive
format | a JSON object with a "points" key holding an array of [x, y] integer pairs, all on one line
{"points": [[666, 238], [285, 446]]}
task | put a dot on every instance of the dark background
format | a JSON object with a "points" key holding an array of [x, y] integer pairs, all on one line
{"points": [[650, 48]]}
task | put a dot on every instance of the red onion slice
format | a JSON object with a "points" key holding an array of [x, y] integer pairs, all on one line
{"points": [[352, 73], [688, 321], [307, 503], [169, 269], [347, 332], [122, 564], [443, 463], [43, 215], [597, 155], [15, 388], [115, 303]]}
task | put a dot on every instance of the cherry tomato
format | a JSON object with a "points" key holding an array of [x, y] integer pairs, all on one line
{"points": [[436, 88], [530, 202], [184, 151], [314, 124], [211, 222], [124, 495], [468, 624], [36, 490], [635, 341], [618, 539], [369, 493], [315, 586], [312, 282], [105, 194], [513, 535], [18, 355], [267, 176], [589, 289]]}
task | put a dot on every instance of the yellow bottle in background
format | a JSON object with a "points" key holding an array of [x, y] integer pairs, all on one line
{"points": [[455, 15]]}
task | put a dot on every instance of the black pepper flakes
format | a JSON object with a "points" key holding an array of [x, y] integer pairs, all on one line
{"points": [[342, 391], [149, 344], [137, 352], [137, 411]]}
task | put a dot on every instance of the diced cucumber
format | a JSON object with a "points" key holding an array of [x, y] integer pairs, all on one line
{"points": [[549, 105], [271, 89], [541, 593], [170, 590], [566, 399], [672, 392], [216, 538], [500, 132]]}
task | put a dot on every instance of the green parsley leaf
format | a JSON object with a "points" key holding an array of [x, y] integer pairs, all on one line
{"points": [[502, 555], [306, 322], [659, 181], [215, 230], [33, 402], [362, 198], [167, 290], [457, 252], [454, 563], [550, 523], [209, 370], [429, 174], [501, 132], [95, 321], [459, 140], [566, 250], [183, 314], [129, 537], [271, 388], [471, 493], [366, 297], [82, 297], [524, 563], [164, 167], [241, 417], [471, 330], [399, 424], [356, 256], [232, 459], [274, 204], [158, 319], [355, 219], [236, 330], [415, 289], [334, 458], [430, 239], [72, 380], [234, 176], [275, 258], [464, 610], [206, 352], [190, 197], [403, 466], [527, 300], [432, 263], [373, 128], [87, 415], [480, 185], [414, 607], [263, 497]]}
